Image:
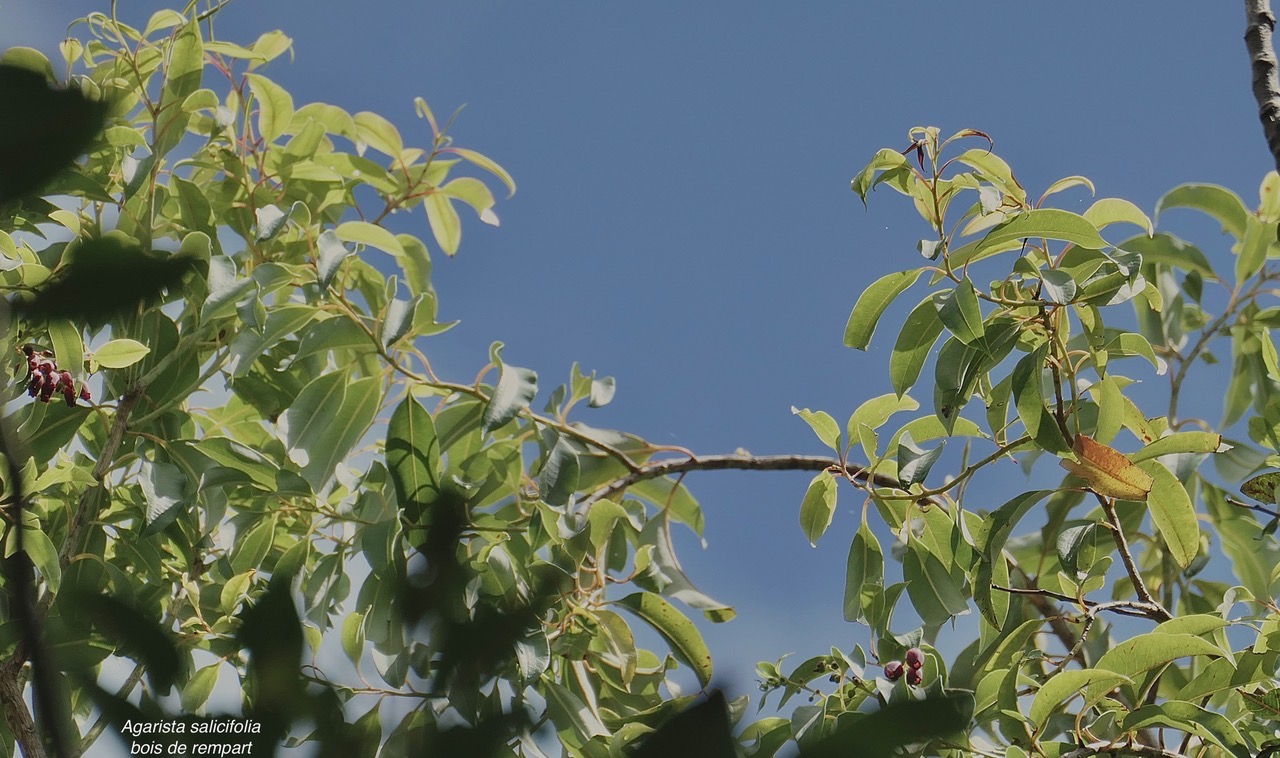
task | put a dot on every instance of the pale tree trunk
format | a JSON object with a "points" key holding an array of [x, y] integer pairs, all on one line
{"points": [[1260, 23]]}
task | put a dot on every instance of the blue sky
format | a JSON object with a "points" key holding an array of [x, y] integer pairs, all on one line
{"points": [[684, 220]]}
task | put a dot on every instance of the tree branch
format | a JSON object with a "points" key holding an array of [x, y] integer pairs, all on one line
{"points": [[1158, 612], [1260, 22], [740, 463]]}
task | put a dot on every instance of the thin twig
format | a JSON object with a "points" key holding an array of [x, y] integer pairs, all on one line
{"points": [[1160, 613]]}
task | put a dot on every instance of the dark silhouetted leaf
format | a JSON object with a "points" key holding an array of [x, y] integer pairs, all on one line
{"points": [[703, 730], [43, 130], [272, 633], [139, 636], [896, 725], [104, 277]]}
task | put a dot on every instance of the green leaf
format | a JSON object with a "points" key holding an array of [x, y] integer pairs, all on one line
{"points": [[960, 313], [934, 592], [558, 479], [275, 106], [818, 506], [873, 414], [475, 193], [353, 637], [516, 388], [1028, 393], [1113, 210], [1168, 249], [1145, 652], [413, 460], [120, 353], [326, 420], [1182, 442], [674, 627], [369, 234], [997, 527], [1065, 685], [865, 566], [872, 303], [533, 655], [915, 342], [885, 160], [378, 133], [182, 78], [822, 424], [330, 253], [164, 489], [68, 347], [398, 320], [42, 552], [1047, 223], [1191, 718], [572, 710], [199, 687], [915, 462], [487, 164], [446, 227], [252, 547], [1173, 513], [1057, 285], [1218, 202], [1259, 239]]}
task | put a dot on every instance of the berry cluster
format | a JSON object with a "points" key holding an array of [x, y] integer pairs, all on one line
{"points": [[893, 670], [45, 378]]}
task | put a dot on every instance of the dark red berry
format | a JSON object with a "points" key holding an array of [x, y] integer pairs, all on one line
{"points": [[84, 393], [67, 383], [893, 670], [69, 394], [36, 384], [915, 658], [914, 677]]}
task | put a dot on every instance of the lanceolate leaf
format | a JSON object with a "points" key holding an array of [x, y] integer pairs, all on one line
{"points": [[515, 389], [1046, 223], [960, 313], [915, 343], [1145, 652], [818, 507], [1220, 203], [330, 253], [1173, 513], [934, 592], [679, 632], [864, 568], [413, 457], [1065, 685], [872, 304]]}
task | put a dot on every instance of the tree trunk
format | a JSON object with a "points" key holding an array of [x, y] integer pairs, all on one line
{"points": [[17, 715], [1260, 23]]}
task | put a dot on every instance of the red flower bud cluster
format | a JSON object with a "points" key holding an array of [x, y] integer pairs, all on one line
{"points": [[893, 670], [44, 378]]}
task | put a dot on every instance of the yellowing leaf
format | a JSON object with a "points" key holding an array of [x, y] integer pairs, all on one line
{"points": [[1107, 471]]}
